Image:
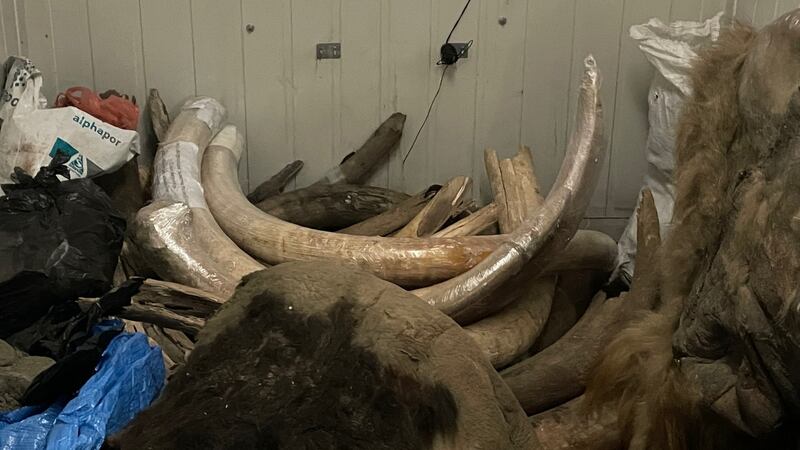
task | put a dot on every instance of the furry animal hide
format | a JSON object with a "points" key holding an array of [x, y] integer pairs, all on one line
{"points": [[318, 356], [717, 364]]}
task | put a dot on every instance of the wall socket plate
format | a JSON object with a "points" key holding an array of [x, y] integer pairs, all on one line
{"points": [[461, 47], [329, 50]]}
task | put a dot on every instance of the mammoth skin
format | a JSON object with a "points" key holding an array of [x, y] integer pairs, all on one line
{"points": [[319, 355], [717, 365]]}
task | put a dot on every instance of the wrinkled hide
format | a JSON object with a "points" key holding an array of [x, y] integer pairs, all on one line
{"points": [[314, 355], [717, 365]]}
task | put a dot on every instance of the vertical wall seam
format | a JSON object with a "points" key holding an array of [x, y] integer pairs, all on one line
{"points": [[3, 29], [91, 45], [244, 94], [379, 110], [476, 188], [53, 46], [18, 26], [289, 92], [524, 71], [610, 151], [194, 51], [292, 98], [565, 137], [336, 111], [141, 47]]}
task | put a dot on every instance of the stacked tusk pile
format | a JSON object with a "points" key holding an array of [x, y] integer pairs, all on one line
{"points": [[498, 289]]}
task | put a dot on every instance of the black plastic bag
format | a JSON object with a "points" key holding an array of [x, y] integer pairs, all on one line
{"points": [[75, 339], [58, 241]]}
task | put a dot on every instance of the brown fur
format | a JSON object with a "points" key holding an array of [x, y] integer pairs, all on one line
{"points": [[708, 126], [742, 85]]}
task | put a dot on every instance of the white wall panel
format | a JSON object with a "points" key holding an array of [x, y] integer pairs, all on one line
{"points": [[786, 6], [72, 43], [359, 78], [409, 57], [116, 39], [764, 11], [12, 12], [501, 56], [314, 22], [270, 87], [219, 62], [169, 50], [546, 87], [37, 21], [452, 123]]}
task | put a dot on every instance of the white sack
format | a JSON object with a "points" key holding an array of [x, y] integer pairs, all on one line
{"points": [[31, 136], [671, 50]]}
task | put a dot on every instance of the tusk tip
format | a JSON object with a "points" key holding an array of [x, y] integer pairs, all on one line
{"points": [[230, 139], [591, 75], [209, 110]]}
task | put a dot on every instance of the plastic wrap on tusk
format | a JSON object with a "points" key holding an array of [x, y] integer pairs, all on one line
{"points": [[541, 238], [405, 261], [181, 239]]}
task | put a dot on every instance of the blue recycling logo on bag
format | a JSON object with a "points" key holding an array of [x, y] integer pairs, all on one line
{"points": [[77, 161], [77, 164]]}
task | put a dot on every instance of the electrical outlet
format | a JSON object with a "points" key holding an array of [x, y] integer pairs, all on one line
{"points": [[461, 48]]}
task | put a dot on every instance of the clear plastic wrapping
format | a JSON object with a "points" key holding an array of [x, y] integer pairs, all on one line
{"points": [[177, 233]]}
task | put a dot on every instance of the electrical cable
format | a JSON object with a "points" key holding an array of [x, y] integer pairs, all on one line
{"points": [[463, 11], [430, 108], [448, 56]]}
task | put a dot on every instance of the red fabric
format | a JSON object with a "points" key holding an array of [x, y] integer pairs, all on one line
{"points": [[113, 109]]}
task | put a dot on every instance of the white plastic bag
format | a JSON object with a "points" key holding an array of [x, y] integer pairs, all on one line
{"points": [[31, 136], [17, 72], [671, 50]]}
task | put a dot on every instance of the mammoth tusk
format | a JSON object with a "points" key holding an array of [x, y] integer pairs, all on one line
{"points": [[331, 206], [570, 426], [180, 237], [404, 261], [574, 290], [510, 333], [276, 184], [395, 218], [544, 235], [419, 262], [438, 210], [356, 167], [475, 223], [548, 379]]}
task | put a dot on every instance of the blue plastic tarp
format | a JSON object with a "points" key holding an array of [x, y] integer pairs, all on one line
{"points": [[129, 377]]}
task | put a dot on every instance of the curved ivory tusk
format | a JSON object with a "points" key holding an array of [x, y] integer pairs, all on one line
{"points": [[177, 233], [405, 261], [419, 262], [546, 234], [508, 334]]}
